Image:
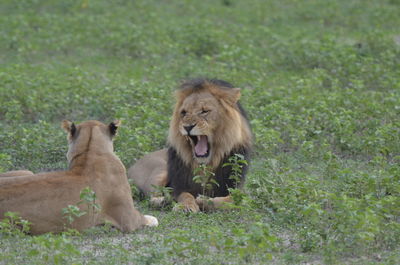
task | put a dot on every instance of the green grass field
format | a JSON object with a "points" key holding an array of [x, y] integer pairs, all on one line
{"points": [[321, 85]]}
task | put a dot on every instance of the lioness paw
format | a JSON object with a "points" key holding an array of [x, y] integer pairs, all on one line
{"points": [[151, 220]]}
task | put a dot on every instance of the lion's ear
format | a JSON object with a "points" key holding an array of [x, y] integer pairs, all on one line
{"points": [[232, 95], [114, 127], [68, 126]]}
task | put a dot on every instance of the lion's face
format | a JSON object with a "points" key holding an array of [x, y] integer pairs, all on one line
{"points": [[199, 116], [206, 124]]}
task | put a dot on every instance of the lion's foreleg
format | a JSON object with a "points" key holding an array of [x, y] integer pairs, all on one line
{"points": [[187, 203], [155, 186], [210, 204], [157, 201]]}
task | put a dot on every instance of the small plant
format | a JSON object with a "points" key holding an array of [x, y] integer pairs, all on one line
{"points": [[87, 196], [13, 224], [53, 249], [71, 212], [5, 162], [236, 162], [162, 196], [205, 177], [181, 244], [238, 196], [247, 243]]}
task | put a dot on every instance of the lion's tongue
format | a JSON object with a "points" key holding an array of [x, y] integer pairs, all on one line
{"points": [[201, 146]]}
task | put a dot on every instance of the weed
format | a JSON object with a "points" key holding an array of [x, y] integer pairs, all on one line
{"points": [[53, 249], [164, 194], [71, 212], [14, 225], [87, 196], [236, 162], [204, 176]]}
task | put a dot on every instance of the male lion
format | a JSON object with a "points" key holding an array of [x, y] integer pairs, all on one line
{"points": [[40, 198], [208, 126]]}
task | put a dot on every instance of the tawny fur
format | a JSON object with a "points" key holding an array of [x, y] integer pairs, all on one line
{"points": [[16, 173], [224, 126], [154, 165], [40, 198]]}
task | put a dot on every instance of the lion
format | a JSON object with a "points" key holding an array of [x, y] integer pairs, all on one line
{"points": [[40, 198], [208, 126]]}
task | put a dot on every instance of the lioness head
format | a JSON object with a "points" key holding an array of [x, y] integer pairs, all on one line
{"points": [[89, 135], [207, 122]]}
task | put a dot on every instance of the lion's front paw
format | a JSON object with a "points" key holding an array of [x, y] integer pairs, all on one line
{"points": [[186, 203], [205, 203], [187, 207], [157, 202], [211, 204]]}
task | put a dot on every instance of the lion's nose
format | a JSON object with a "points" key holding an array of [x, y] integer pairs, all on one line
{"points": [[188, 128]]}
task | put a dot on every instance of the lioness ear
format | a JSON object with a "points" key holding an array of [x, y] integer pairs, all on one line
{"points": [[114, 127], [68, 126]]}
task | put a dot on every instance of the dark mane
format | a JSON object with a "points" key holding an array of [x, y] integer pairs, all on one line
{"points": [[198, 84], [180, 175]]}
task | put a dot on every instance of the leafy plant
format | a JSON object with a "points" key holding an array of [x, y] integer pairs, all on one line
{"points": [[71, 212], [4, 162], [14, 225], [53, 249], [163, 194], [236, 162], [87, 196], [206, 178]]}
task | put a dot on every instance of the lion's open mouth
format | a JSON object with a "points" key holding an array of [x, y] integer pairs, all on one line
{"points": [[201, 145]]}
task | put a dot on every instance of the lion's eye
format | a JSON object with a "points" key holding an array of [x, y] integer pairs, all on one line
{"points": [[204, 111], [183, 112]]}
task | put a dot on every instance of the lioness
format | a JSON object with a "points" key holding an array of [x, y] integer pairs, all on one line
{"points": [[16, 173], [208, 126], [40, 198]]}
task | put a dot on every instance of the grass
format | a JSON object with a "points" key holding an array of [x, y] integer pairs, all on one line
{"points": [[321, 84]]}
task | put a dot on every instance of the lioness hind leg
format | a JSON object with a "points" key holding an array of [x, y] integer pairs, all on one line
{"points": [[126, 218], [210, 204], [187, 203], [16, 173]]}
